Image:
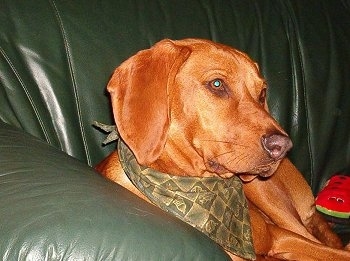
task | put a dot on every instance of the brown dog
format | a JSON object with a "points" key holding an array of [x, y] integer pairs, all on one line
{"points": [[197, 108]]}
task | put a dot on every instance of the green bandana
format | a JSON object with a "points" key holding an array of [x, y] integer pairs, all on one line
{"points": [[215, 206]]}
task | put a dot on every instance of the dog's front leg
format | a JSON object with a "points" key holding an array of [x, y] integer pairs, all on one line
{"points": [[287, 200]]}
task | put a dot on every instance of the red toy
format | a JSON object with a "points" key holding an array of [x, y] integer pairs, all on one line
{"points": [[334, 199]]}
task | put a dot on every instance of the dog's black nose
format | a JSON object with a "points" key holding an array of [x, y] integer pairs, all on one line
{"points": [[276, 145]]}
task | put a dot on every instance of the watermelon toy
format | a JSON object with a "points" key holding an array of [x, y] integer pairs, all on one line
{"points": [[333, 201]]}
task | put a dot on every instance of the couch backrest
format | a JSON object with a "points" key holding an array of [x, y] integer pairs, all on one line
{"points": [[57, 56]]}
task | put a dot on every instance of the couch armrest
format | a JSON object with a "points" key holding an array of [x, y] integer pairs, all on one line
{"points": [[55, 207]]}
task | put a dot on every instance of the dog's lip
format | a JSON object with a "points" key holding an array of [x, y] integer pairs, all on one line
{"points": [[245, 177], [261, 171], [264, 171]]}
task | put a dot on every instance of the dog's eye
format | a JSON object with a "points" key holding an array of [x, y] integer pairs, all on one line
{"points": [[218, 87], [217, 83], [262, 96]]}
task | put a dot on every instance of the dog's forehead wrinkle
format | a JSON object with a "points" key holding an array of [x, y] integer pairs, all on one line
{"points": [[228, 71], [217, 53]]}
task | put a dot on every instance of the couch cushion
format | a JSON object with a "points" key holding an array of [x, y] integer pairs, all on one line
{"points": [[53, 207]]}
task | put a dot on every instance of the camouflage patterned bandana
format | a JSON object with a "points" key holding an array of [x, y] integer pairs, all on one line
{"points": [[215, 206]]}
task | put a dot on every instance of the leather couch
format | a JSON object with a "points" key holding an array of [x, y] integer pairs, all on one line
{"points": [[56, 57]]}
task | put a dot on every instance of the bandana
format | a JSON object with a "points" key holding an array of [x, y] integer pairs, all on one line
{"points": [[213, 205]]}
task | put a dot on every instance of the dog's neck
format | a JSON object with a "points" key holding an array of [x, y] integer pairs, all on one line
{"points": [[177, 161]]}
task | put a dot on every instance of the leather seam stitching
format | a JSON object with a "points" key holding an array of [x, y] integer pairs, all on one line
{"points": [[302, 71], [72, 75], [29, 97]]}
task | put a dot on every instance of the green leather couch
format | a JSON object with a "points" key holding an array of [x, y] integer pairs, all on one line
{"points": [[56, 57]]}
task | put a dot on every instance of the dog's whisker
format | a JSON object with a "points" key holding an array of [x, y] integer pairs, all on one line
{"points": [[221, 154], [240, 159], [227, 142], [237, 159]]}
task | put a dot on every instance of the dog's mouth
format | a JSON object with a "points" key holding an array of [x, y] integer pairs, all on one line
{"points": [[263, 171]]}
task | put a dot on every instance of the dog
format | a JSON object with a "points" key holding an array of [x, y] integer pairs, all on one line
{"points": [[197, 108]]}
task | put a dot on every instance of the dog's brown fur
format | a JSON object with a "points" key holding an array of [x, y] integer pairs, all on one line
{"points": [[197, 108]]}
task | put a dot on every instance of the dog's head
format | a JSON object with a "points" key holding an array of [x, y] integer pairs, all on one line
{"points": [[194, 107]]}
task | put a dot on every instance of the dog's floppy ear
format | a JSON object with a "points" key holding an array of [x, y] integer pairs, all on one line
{"points": [[139, 92]]}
